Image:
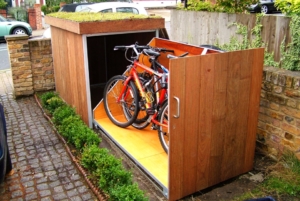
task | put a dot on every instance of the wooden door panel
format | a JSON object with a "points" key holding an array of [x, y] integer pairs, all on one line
{"points": [[214, 137]]}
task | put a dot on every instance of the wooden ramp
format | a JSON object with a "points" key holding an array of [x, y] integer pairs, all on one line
{"points": [[142, 146]]}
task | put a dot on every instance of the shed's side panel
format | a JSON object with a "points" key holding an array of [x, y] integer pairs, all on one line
{"points": [[69, 69], [219, 100]]}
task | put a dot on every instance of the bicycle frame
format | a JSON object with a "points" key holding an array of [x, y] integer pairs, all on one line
{"points": [[133, 75]]}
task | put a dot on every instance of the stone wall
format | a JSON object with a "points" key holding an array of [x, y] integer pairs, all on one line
{"points": [[31, 64], [41, 64], [279, 117]]}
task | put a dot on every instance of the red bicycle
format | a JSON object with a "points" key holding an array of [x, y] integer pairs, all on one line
{"points": [[139, 96]]}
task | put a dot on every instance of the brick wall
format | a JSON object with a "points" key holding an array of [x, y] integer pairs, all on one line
{"points": [[279, 117], [42, 64], [31, 64], [35, 17]]}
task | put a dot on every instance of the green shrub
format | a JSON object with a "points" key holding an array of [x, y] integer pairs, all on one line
{"points": [[288, 7], [77, 133], [62, 113], [3, 4], [54, 103], [226, 6], [127, 193], [113, 179], [91, 155], [197, 5], [46, 96], [19, 13], [50, 9], [256, 42], [111, 173], [290, 54]]}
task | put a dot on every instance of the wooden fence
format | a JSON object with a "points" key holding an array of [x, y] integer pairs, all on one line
{"points": [[198, 28]]}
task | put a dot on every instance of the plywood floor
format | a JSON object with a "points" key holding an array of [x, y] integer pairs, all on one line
{"points": [[142, 145]]}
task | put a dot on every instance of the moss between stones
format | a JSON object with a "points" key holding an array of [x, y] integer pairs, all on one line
{"points": [[92, 17]]}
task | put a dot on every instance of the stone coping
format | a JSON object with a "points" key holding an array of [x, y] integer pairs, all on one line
{"points": [[16, 37]]}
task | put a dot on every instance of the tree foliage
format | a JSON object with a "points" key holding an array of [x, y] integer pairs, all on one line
{"points": [[226, 6], [2, 4]]}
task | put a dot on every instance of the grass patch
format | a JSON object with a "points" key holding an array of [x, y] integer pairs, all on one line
{"points": [[92, 17], [281, 183]]}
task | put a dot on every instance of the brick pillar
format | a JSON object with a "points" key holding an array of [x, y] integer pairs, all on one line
{"points": [[20, 63], [61, 4], [35, 17], [42, 64], [3, 12], [32, 18], [38, 11]]}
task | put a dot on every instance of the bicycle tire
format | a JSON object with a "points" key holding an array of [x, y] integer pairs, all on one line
{"points": [[163, 133], [128, 103]]}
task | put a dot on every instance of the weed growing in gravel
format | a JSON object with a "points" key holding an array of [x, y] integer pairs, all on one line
{"points": [[282, 183]]}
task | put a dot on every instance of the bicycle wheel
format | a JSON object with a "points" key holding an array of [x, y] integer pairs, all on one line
{"points": [[116, 111], [163, 132]]}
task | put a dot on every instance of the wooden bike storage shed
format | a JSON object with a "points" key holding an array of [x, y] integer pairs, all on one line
{"points": [[213, 109]]}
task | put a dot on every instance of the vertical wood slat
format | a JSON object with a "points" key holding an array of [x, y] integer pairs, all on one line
{"points": [[232, 100], [225, 128], [206, 69], [218, 107], [254, 97], [176, 160], [192, 84]]}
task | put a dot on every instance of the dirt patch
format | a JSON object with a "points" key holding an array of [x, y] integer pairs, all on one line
{"points": [[225, 191]]}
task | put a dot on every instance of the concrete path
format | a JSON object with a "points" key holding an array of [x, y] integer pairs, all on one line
{"points": [[42, 169]]}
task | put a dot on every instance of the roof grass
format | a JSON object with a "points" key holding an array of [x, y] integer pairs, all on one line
{"points": [[92, 17]]}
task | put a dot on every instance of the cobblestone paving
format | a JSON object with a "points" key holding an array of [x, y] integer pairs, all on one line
{"points": [[42, 169]]}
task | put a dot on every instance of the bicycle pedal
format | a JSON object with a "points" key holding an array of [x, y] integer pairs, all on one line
{"points": [[150, 111], [154, 127]]}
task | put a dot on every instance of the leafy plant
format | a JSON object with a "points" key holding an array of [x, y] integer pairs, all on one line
{"points": [[288, 7], [19, 13], [46, 96], [127, 192], [235, 6], [111, 175], [197, 5], [244, 43], [91, 155], [2, 4], [282, 180], [62, 113], [77, 133], [54, 103], [227, 6], [290, 54], [50, 9]]}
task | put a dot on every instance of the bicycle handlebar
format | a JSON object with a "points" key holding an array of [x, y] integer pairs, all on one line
{"points": [[123, 47], [169, 56]]}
